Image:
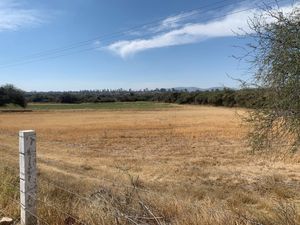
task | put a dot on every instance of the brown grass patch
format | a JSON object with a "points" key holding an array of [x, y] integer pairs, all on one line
{"points": [[185, 165]]}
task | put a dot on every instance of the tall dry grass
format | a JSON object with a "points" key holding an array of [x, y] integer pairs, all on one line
{"points": [[186, 165]]}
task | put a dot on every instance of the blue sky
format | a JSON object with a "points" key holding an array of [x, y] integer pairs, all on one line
{"points": [[174, 43]]}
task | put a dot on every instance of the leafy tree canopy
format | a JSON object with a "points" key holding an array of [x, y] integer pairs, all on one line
{"points": [[11, 95], [275, 56]]}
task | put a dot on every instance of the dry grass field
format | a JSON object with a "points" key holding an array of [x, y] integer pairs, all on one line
{"points": [[177, 165]]}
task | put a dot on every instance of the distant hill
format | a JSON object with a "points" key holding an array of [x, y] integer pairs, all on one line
{"points": [[189, 89], [217, 88], [192, 89]]}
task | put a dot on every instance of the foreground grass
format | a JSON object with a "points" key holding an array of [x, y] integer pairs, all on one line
{"points": [[128, 204], [93, 106]]}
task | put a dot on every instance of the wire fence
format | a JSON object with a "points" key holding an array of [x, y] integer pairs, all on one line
{"points": [[116, 210], [43, 182], [67, 215]]}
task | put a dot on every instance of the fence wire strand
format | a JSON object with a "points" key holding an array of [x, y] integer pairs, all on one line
{"points": [[57, 209], [61, 210], [97, 178], [19, 204]]}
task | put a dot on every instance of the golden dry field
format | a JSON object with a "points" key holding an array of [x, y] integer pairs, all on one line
{"points": [[176, 165]]}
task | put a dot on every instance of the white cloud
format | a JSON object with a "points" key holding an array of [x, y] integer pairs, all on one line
{"points": [[14, 17], [167, 24], [188, 33], [174, 21]]}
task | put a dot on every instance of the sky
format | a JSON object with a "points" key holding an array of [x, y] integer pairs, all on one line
{"points": [[62, 45]]}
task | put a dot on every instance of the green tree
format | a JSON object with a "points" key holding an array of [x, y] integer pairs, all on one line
{"points": [[11, 95], [70, 98], [275, 50]]}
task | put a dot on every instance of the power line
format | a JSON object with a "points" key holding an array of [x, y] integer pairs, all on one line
{"points": [[133, 28], [56, 53]]}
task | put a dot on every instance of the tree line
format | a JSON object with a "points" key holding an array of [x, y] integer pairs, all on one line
{"points": [[217, 97], [248, 98]]}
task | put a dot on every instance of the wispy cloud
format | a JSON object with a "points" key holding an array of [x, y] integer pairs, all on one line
{"points": [[166, 24], [14, 16], [97, 44], [187, 33], [174, 21]]}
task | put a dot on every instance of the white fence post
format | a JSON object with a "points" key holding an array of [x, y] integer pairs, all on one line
{"points": [[28, 178]]}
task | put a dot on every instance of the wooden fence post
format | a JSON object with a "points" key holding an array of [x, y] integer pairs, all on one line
{"points": [[28, 178]]}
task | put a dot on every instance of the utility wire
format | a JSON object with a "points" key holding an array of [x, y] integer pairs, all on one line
{"points": [[133, 28], [57, 53]]}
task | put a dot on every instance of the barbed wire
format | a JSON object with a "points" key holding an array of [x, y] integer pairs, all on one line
{"points": [[73, 217], [81, 197], [48, 204], [56, 208], [101, 179], [114, 184], [67, 190], [18, 203], [133, 188], [3, 211]]}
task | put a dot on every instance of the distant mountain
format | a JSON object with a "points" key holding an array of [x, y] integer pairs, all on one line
{"points": [[192, 89], [216, 88], [189, 89]]}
